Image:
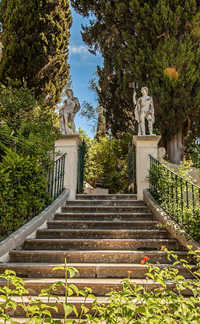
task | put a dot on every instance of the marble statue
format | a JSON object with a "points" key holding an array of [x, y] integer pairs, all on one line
{"points": [[144, 109], [67, 113]]}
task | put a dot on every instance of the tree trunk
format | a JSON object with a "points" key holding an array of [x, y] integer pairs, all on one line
{"points": [[175, 148]]}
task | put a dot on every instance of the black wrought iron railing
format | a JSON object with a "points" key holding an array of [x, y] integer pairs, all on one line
{"points": [[81, 167], [177, 196], [132, 168], [56, 177]]}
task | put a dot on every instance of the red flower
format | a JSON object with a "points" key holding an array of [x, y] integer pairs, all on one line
{"points": [[144, 260]]}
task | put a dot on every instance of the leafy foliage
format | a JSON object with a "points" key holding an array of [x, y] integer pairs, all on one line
{"points": [[107, 163], [35, 45], [33, 73], [16, 105], [193, 154], [139, 40], [23, 193], [177, 196], [27, 137], [166, 302]]}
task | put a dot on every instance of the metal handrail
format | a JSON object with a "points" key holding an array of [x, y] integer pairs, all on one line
{"points": [[132, 168], [56, 176], [177, 196], [152, 159], [81, 167]]}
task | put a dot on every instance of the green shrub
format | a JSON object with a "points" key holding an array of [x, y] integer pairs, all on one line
{"points": [[177, 196], [27, 137], [165, 303], [23, 192], [107, 163]]}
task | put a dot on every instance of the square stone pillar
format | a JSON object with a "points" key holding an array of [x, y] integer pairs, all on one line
{"points": [[69, 144], [145, 146]]}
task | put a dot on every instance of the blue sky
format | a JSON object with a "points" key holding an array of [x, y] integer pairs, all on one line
{"points": [[82, 68]]}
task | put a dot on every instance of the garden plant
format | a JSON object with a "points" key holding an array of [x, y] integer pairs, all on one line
{"points": [[177, 195], [174, 299]]}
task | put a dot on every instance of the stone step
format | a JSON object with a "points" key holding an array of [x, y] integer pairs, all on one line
{"points": [[99, 203], [85, 270], [102, 233], [105, 238], [106, 197], [89, 256], [104, 216], [56, 301], [105, 209], [100, 287], [89, 224], [24, 320], [100, 244]]}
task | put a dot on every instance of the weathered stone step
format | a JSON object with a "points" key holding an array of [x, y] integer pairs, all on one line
{"points": [[85, 270], [102, 233], [99, 203], [100, 287], [106, 197], [56, 301], [24, 320], [105, 209], [104, 216], [89, 224], [100, 244], [105, 256]]}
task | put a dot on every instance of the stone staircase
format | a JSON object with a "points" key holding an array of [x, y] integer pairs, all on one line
{"points": [[103, 237]]}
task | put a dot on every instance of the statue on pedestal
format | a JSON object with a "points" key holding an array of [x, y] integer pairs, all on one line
{"points": [[144, 109], [67, 113]]}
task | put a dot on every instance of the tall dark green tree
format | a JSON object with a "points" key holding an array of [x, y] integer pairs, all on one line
{"points": [[139, 40], [35, 45], [101, 125]]}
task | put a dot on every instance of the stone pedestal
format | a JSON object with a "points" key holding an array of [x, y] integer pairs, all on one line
{"points": [[69, 144], [145, 146]]}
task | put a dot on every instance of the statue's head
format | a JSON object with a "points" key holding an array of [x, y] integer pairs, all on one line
{"points": [[144, 91], [69, 93]]}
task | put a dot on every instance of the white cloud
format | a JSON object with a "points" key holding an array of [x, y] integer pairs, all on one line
{"points": [[80, 49]]}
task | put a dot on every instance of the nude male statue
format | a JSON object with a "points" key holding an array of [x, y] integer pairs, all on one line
{"points": [[67, 113], [144, 109]]}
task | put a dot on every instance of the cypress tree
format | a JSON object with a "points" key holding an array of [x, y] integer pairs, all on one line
{"points": [[101, 124], [154, 43], [35, 45]]}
